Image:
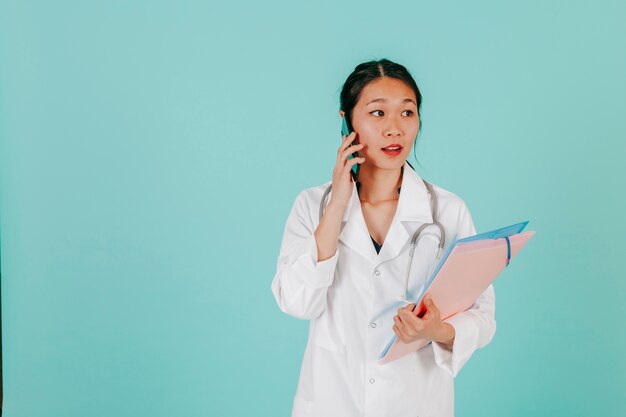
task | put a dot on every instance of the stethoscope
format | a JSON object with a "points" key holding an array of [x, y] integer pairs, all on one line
{"points": [[416, 234]]}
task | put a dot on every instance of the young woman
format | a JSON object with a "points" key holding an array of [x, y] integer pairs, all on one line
{"points": [[345, 271]]}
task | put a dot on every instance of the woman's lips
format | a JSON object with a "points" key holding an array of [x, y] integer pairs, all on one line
{"points": [[392, 150]]}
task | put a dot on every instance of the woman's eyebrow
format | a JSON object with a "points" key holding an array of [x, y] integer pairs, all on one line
{"points": [[384, 100]]}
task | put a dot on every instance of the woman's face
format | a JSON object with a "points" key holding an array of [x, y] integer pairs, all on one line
{"points": [[386, 116]]}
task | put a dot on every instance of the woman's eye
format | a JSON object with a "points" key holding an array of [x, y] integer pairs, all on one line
{"points": [[408, 111], [379, 111]]}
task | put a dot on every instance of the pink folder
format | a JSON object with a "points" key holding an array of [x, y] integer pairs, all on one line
{"points": [[465, 275]]}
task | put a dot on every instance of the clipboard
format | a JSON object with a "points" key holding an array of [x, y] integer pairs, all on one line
{"points": [[463, 273]]}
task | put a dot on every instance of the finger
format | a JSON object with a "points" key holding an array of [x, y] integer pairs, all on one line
{"points": [[432, 308], [352, 162], [407, 317], [344, 144], [399, 328], [429, 300], [400, 324], [398, 332], [350, 135], [402, 312], [350, 150], [401, 334], [346, 141], [431, 315], [411, 321], [340, 152], [408, 310]]}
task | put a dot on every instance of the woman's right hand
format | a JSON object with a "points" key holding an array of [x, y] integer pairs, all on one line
{"points": [[342, 178]]}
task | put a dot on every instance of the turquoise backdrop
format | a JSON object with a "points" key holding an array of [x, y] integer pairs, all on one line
{"points": [[150, 152]]}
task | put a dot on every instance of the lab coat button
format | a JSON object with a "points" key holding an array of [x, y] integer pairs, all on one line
{"points": [[376, 272], [372, 380], [372, 325]]}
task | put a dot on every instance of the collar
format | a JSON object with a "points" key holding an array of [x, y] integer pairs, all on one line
{"points": [[414, 209]]}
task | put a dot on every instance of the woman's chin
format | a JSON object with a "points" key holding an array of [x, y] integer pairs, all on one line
{"points": [[383, 164]]}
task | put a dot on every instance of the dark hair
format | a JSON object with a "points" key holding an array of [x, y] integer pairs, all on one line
{"points": [[367, 72]]}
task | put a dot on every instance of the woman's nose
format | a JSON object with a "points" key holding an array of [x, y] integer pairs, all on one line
{"points": [[392, 130]]}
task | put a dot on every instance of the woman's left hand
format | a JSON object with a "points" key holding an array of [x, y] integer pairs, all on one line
{"points": [[409, 328]]}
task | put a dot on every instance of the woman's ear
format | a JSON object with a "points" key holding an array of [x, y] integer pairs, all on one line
{"points": [[341, 113]]}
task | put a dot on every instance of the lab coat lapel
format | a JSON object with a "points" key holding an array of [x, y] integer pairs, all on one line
{"points": [[413, 210], [354, 233]]}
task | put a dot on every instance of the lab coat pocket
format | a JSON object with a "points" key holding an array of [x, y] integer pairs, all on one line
{"points": [[336, 348]]}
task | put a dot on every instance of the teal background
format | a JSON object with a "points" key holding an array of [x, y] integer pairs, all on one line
{"points": [[151, 151]]}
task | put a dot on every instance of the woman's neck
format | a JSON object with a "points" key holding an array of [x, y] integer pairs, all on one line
{"points": [[378, 185]]}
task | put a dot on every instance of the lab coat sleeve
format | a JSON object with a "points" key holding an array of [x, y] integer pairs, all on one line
{"points": [[301, 282], [475, 327]]}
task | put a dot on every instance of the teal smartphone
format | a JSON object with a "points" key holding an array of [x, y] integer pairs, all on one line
{"points": [[346, 129]]}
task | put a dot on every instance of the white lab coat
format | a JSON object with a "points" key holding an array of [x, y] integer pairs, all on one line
{"points": [[351, 298]]}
